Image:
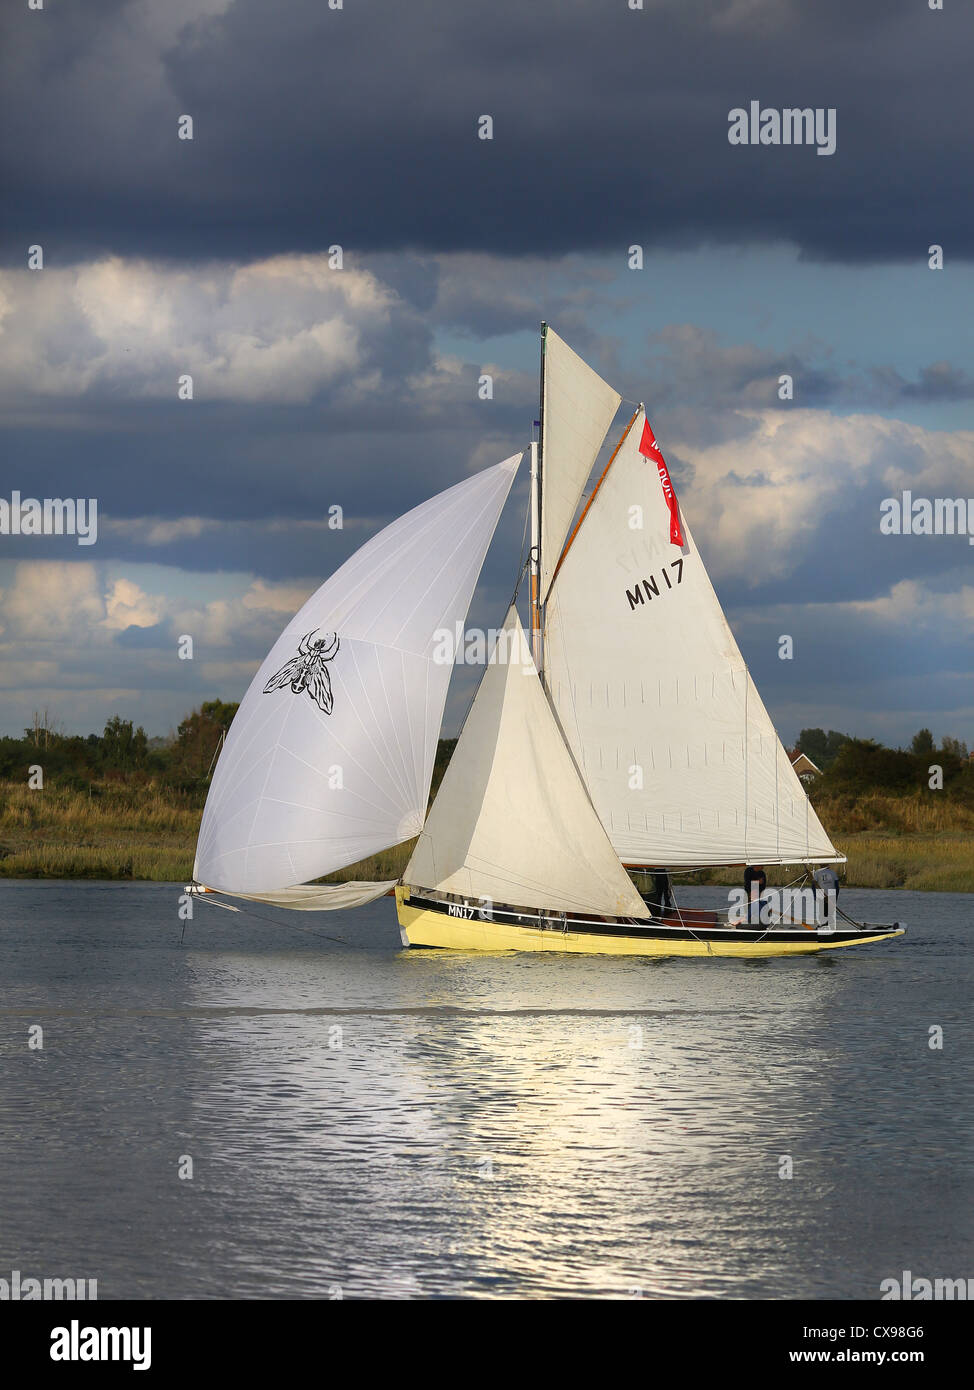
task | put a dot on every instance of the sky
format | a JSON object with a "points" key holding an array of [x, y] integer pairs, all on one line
{"points": [[313, 387]]}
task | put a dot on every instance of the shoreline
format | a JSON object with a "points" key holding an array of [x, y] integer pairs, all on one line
{"points": [[911, 863], [130, 833]]}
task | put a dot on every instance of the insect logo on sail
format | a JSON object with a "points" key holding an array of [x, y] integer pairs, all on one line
{"points": [[307, 671]]}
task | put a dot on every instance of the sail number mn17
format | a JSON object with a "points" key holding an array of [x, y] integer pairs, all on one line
{"points": [[654, 590]]}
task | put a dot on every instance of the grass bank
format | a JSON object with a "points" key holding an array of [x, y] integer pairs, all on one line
{"points": [[114, 830], [910, 841], [124, 830], [941, 863]]}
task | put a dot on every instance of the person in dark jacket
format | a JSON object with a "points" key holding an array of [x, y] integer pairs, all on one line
{"points": [[662, 895], [755, 882]]}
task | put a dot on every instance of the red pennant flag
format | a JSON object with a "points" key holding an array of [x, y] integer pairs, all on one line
{"points": [[649, 447]]}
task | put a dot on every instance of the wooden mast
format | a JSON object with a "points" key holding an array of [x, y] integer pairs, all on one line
{"points": [[537, 463]]}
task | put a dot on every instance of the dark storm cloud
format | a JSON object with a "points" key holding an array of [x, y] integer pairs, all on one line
{"points": [[938, 382], [312, 388], [248, 465], [894, 678], [358, 126], [154, 638], [691, 365]]}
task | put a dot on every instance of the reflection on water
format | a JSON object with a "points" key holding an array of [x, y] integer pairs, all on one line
{"points": [[412, 1124]]}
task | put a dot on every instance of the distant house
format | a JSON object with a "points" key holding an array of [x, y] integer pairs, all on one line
{"points": [[805, 768]]}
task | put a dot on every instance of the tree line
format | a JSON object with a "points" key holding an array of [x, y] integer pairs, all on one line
{"points": [[123, 752], [863, 764]]}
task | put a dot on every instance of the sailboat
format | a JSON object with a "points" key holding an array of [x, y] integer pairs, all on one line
{"points": [[625, 737]]}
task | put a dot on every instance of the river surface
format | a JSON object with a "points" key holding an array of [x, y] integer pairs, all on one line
{"points": [[364, 1121]]}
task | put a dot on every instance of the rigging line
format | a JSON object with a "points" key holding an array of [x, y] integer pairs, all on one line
{"points": [[685, 925], [220, 743], [777, 807], [539, 598], [839, 912], [688, 928], [524, 570], [524, 556], [780, 916], [747, 683], [525, 552]]}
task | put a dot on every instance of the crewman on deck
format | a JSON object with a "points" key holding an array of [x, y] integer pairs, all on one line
{"points": [[755, 882], [662, 892], [827, 881]]}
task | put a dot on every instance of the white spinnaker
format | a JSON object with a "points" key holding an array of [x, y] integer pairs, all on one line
{"points": [[299, 792], [511, 820], [679, 755], [578, 410], [323, 897]]}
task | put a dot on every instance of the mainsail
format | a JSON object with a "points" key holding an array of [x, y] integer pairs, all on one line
{"points": [[511, 820], [577, 410], [666, 726], [330, 755]]}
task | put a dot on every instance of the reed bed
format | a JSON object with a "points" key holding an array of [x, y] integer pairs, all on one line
{"points": [[102, 809], [55, 860], [148, 831], [923, 863], [112, 830], [922, 814]]}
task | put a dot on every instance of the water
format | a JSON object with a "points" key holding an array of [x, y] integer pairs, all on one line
{"points": [[502, 1126]]}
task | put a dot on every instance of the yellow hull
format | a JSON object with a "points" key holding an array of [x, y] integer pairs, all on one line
{"points": [[420, 927]]}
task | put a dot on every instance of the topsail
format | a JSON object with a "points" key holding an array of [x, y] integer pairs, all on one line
{"points": [[578, 408]]}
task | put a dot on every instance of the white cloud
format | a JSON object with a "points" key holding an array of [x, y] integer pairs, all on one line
{"points": [[274, 598], [66, 641], [84, 605], [917, 607], [771, 490], [278, 330], [50, 601], [126, 605]]}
